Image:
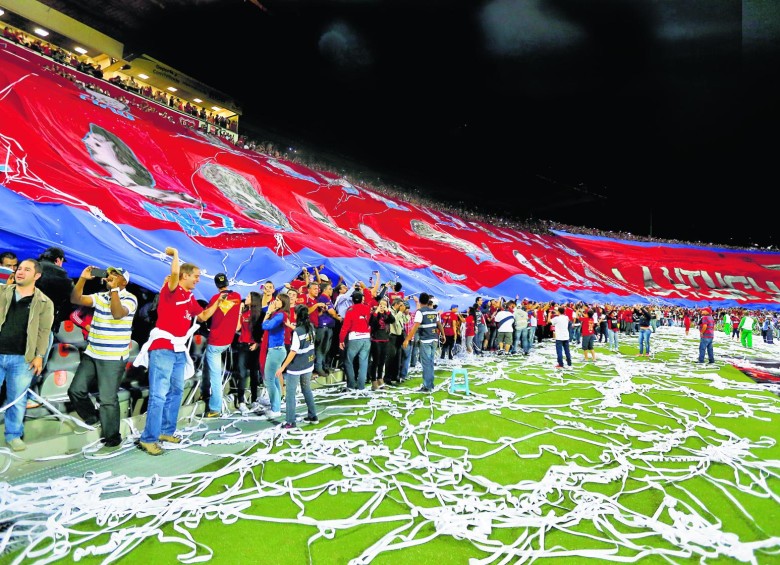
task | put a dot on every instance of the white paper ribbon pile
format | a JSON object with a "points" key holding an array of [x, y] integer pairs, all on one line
{"points": [[626, 440]]}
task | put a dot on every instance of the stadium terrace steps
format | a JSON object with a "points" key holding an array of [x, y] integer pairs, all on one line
{"points": [[47, 436]]}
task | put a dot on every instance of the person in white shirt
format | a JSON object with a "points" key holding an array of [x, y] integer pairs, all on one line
{"points": [[560, 324], [505, 321]]}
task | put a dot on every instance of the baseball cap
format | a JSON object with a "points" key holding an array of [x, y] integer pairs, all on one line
{"points": [[453, 306], [121, 272], [221, 280], [52, 254], [324, 278]]}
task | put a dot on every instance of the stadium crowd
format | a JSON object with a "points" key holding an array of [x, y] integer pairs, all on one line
{"points": [[264, 345]]}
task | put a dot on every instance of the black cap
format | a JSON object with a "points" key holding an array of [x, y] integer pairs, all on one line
{"points": [[221, 280], [52, 254], [357, 297]]}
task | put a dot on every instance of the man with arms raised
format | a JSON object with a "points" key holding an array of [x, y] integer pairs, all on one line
{"points": [[168, 351]]}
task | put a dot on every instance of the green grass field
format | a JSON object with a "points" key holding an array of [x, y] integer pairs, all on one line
{"points": [[654, 460]]}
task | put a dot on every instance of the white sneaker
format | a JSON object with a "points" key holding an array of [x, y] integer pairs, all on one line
{"points": [[256, 406], [271, 415], [264, 401], [242, 407]]}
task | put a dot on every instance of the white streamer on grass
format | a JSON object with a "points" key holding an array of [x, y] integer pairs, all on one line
{"points": [[621, 451]]}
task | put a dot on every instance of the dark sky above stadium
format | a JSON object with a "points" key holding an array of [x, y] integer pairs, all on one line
{"points": [[640, 116]]}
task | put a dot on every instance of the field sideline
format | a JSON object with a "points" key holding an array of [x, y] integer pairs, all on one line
{"points": [[630, 459]]}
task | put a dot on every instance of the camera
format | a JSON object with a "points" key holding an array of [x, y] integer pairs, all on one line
{"points": [[99, 273]]}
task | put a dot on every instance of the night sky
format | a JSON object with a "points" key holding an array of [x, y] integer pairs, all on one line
{"points": [[641, 116]]}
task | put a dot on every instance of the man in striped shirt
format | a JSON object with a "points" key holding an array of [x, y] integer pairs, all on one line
{"points": [[108, 347]]}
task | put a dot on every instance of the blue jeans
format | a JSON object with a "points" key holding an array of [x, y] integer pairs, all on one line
{"points": [[322, 339], [479, 338], [561, 347], [213, 376], [18, 376], [516, 335], [612, 339], [291, 382], [166, 386], [427, 355], [705, 346], [273, 360], [528, 339], [576, 334], [406, 357], [644, 340], [359, 348]]}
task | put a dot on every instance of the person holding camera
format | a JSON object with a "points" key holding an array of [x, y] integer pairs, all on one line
{"points": [[108, 347], [381, 320], [247, 357]]}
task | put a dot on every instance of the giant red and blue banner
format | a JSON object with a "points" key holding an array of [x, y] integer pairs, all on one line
{"points": [[114, 179]]}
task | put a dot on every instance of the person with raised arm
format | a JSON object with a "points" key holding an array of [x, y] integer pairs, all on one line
{"points": [[167, 351]]}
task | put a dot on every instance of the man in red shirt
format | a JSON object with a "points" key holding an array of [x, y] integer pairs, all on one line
{"points": [[588, 329], [450, 321], [314, 305], [356, 332], [167, 351], [224, 324]]}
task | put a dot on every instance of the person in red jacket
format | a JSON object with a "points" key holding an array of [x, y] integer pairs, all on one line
{"points": [[687, 322], [355, 340]]}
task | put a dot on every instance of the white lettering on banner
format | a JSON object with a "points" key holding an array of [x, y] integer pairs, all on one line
{"points": [[720, 286], [193, 223], [527, 264], [562, 278]]}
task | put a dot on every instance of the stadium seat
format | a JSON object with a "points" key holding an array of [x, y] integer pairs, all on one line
{"points": [[189, 390], [63, 357], [70, 333], [55, 384], [139, 400]]}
